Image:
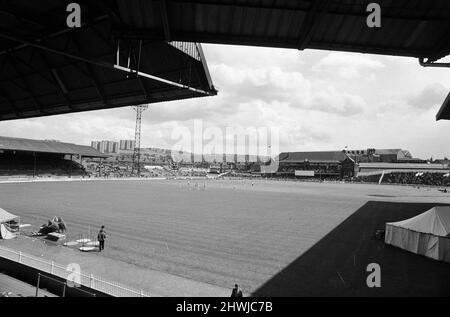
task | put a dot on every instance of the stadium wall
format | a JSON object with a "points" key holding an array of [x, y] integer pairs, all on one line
{"points": [[29, 275]]}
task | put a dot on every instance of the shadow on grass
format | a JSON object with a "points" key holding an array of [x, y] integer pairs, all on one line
{"points": [[336, 265]]}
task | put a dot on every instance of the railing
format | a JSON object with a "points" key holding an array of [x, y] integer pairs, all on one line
{"points": [[88, 280]]}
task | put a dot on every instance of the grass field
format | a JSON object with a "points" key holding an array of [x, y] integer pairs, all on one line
{"points": [[229, 232]]}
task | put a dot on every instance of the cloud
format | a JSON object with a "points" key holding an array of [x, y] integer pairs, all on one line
{"points": [[243, 87], [335, 102], [291, 125], [197, 108], [348, 66], [432, 96], [252, 57], [274, 84]]}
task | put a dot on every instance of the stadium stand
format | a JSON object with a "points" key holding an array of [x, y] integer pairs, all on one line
{"points": [[330, 165], [32, 158], [444, 161], [22, 164], [435, 174], [402, 167], [382, 155], [411, 178], [434, 179]]}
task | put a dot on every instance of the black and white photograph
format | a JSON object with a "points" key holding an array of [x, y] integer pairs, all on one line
{"points": [[215, 155]]}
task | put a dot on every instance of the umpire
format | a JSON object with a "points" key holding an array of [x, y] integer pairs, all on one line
{"points": [[101, 237]]}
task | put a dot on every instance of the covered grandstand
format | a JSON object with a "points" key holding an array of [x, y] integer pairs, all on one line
{"points": [[382, 155], [323, 165], [434, 174], [47, 68], [402, 167], [32, 158]]}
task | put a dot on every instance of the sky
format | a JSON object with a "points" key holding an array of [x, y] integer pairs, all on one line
{"points": [[314, 100]]}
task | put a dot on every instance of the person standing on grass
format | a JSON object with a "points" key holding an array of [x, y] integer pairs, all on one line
{"points": [[101, 237], [236, 292]]}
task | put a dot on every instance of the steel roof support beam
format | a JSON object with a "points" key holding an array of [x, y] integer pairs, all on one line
{"points": [[10, 102], [90, 71], [144, 89], [71, 62], [383, 50], [444, 111], [427, 63], [53, 82], [162, 80], [110, 8], [291, 43], [165, 20], [92, 27], [34, 71], [25, 82], [103, 64], [310, 22], [23, 16], [62, 88], [354, 13], [89, 74], [205, 67], [51, 34], [59, 80]]}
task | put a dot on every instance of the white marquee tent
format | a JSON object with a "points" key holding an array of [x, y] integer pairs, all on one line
{"points": [[6, 217], [427, 234]]}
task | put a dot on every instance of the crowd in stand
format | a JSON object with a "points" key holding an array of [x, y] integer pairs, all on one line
{"points": [[22, 165], [319, 169], [413, 178]]}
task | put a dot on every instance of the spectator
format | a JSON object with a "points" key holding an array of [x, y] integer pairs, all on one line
{"points": [[101, 239], [236, 292]]}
